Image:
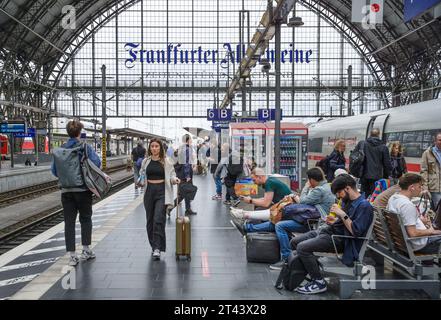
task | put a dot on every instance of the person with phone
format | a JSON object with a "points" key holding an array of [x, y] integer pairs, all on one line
{"points": [[417, 225]]}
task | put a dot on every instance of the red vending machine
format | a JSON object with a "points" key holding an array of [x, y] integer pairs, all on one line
{"points": [[293, 152], [249, 139]]}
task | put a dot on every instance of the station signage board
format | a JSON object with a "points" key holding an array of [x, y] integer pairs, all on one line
{"points": [[219, 114], [30, 134], [13, 127], [267, 114]]}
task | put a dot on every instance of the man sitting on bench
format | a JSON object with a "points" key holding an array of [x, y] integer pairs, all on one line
{"points": [[417, 225], [275, 189], [354, 219], [315, 201]]}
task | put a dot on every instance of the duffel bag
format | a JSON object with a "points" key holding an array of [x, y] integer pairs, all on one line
{"points": [[262, 247]]}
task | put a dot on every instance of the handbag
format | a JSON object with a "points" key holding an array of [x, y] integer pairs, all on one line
{"points": [[276, 210], [188, 191]]}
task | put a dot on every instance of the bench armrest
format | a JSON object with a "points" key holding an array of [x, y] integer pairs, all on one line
{"points": [[346, 237], [434, 236]]}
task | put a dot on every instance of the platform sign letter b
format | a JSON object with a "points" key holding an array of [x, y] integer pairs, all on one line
{"points": [[265, 114], [224, 114]]}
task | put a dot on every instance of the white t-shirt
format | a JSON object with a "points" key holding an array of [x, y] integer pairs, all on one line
{"points": [[406, 209]]}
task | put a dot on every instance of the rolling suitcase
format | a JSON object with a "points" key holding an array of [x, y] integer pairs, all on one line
{"points": [[183, 236], [262, 247]]}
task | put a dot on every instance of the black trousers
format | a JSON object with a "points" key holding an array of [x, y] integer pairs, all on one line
{"points": [[310, 242], [74, 202], [367, 186], [154, 203]]}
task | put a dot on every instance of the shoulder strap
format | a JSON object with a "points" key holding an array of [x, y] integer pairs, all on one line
{"points": [[86, 152]]}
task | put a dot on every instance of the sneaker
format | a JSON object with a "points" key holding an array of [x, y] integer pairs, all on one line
{"points": [[234, 203], [313, 287], [216, 197], [73, 261], [278, 265], [156, 254], [190, 212], [239, 226], [87, 254], [237, 214], [227, 202]]}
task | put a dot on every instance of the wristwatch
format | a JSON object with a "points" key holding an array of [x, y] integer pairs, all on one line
{"points": [[346, 217]]}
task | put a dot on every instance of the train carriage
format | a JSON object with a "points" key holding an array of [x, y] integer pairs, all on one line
{"points": [[414, 126]]}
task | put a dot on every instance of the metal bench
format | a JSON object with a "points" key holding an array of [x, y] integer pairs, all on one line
{"points": [[348, 286], [391, 241]]}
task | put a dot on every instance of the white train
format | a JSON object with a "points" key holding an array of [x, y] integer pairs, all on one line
{"points": [[413, 125]]}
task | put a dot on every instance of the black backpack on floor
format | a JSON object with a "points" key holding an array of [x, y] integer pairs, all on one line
{"points": [[292, 274]]}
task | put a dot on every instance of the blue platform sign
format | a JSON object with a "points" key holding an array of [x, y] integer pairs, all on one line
{"points": [[267, 114], [6, 127], [219, 125], [30, 134], [413, 8], [219, 114]]}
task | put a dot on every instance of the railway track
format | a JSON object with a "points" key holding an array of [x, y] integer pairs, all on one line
{"points": [[25, 230], [10, 197]]}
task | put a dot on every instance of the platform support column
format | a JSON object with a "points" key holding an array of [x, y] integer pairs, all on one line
{"points": [[103, 120]]}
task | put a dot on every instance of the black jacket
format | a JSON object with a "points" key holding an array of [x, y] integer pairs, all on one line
{"points": [[376, 164], [336, 160], [398, 165], [138, 152]]}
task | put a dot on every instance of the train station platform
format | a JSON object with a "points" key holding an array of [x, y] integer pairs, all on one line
{"points": [[124, 269]]}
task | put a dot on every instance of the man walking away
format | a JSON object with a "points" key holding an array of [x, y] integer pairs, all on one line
{"points": [[75, 195], [376, 163]]}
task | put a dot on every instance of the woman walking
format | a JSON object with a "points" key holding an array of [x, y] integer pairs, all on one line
{"points": [[159, 176]]}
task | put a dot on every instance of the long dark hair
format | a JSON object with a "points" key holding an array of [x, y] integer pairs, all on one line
{"points": [[161, 150]]}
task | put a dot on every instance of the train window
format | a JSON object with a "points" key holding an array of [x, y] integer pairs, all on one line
{"points": [[394, 136], [410, 136], [412, 149], [316, 145]]}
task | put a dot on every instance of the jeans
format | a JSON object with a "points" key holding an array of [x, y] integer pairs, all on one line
{"points": [[311, 242], [218, 182], [432, 246], [154, 203], [74, 202], [436, 198], [281, 228]]}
